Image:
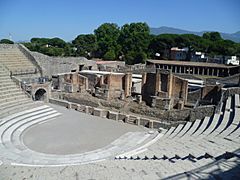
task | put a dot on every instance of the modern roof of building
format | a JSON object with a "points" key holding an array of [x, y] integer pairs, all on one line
{"points": [[189, 63]]}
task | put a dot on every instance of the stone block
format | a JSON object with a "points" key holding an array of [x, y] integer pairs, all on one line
{"points": [[145, 122], [81, 108], [123, 117], [74, 106], [113, 115], [132, 119], [90, 110], [99, 112]]}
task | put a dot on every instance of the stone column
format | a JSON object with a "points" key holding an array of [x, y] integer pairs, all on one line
{"points": [[212, 71], [170, 82], [157, 82], [203, 71], [208, 71], [217, 72]]}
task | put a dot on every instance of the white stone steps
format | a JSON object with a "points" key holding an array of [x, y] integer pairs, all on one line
{"points": [[223, 125], [184, 130], [193, 128], [203, 126], [233, 125], [8, 123], [237, 101], [214, 143], [234, 135], [11, 94], [12, 103], [19, 106], [182, 148], [5, 80], [212, 126], [10, 90], [10, 83], [6, 77], [6, 135], [13, 98], [170, 131], [228, 103], [176, 131], [23, 113]]}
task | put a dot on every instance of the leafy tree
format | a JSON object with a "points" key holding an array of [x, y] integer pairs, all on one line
{"points": [[6, 41], [86, 45], [213, 36], [40, 41], [57, 42], [133, 43], [134, 39], [109, 55], [107, 35]]}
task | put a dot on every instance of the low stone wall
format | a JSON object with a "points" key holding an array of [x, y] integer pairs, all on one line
{"points": [[149, 123], [231, 91], [194, 96], [60, 102], [175, 116]]}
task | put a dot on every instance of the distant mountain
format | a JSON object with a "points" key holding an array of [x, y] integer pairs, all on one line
{"points": [[169, 30]]}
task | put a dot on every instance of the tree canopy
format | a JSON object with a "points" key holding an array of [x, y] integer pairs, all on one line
{"points": [[132, 43], [6, 41]]}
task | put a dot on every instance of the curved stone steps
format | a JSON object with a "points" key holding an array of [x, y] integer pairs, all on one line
{"points": [[202, 127], [13, 150], [196, 139], [212, 126], [106, 152], [16, 106]]}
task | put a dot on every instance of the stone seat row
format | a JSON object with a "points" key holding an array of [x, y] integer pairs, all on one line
{"points": [[18, 63], [212, 135], [13, 150]]}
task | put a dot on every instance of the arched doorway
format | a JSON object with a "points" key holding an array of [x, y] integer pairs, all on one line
{"points": [[40, 95]]}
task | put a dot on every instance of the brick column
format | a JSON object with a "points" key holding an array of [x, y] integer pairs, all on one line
{"points": [[128, 84]]}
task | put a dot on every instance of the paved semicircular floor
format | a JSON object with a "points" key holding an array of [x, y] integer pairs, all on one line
{"points": [[74, 132]]}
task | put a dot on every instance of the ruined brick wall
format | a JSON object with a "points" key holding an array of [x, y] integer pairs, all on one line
{"points": [[165, 86], [164, 82], [179, 88], [93, 79], [211, 94], [115, 81], [148, 88], [194, 96], [83, 83], [179, 91], [115, 84]]}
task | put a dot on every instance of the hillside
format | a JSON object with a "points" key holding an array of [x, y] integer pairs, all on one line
{"points": [[169, 30]]}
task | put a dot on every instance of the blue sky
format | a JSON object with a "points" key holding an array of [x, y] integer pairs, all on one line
{"points": [[66, 19]]}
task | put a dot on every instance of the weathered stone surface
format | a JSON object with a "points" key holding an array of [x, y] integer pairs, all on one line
{"points": [[59, 102], [112, 115], [100, 112], [123, 117]]}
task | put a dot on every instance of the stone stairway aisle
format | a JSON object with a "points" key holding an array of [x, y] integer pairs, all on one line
{"points": [[12, 98], [15, 61]]}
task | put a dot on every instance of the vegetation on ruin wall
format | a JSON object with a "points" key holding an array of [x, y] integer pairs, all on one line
{"points": [[132, 43]]}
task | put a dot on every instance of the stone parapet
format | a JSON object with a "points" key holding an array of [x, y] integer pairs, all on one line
{"points": [[131, 119]]}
